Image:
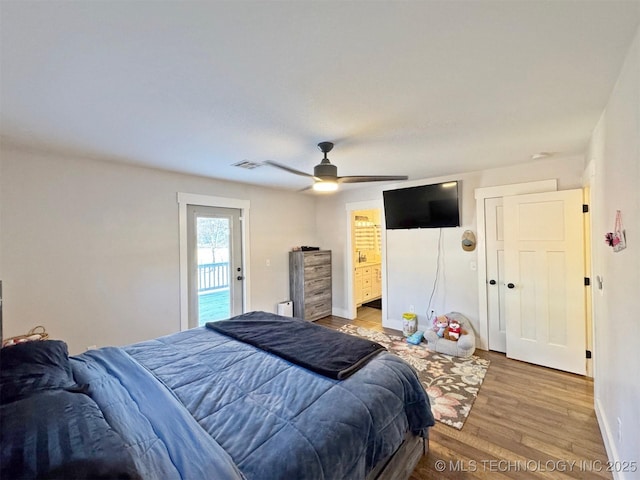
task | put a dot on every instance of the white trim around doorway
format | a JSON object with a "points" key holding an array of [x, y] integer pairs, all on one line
{"points": [[351, 312]]}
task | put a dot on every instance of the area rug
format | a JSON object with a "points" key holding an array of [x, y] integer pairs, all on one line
{"points": [[452, 383]]}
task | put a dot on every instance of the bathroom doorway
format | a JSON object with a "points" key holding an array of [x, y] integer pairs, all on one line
{"points": [[366, 242]]}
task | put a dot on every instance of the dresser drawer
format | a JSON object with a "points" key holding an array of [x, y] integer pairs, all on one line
{"points": [[317, 285], [317, 310], [317, 297], [317, 271], [317, 258]]}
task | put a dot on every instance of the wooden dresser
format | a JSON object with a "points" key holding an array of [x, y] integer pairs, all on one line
{"points": [[310, 283]]}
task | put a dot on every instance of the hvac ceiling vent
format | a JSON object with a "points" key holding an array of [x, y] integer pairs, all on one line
{"points": [[247, 164]]}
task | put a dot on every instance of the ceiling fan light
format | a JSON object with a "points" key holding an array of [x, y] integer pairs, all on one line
{"points": [[325, 186]]}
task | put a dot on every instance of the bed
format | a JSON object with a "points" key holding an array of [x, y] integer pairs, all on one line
{"points": [[202, 404]]}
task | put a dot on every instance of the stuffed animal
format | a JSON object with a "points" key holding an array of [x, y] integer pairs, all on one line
{"points": [[440, 324], [454, 330]]}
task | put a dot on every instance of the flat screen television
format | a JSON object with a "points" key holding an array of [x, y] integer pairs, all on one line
{"points": [[424, 206]]}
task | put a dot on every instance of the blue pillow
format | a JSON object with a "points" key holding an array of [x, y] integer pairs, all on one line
{"points": [[32, 367]]}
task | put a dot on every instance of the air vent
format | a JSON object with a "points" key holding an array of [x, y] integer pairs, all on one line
{"points": [[247, 164]]}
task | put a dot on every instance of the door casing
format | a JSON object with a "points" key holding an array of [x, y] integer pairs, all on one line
{"points": [[351, 311], [185, 199]]}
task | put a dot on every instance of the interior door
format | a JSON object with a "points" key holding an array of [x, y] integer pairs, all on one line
{"points": [[544, 271], [494, 246], [215, 264]]}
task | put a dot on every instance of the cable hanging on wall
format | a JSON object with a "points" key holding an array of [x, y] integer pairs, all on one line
{"points": [[435, 280]]}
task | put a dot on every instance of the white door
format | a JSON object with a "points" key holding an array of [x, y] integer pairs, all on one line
{"points": [[215, 264], [494, 246], [544, 271]]}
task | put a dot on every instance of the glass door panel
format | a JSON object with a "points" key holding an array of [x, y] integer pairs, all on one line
{"points": [[215, 262]]}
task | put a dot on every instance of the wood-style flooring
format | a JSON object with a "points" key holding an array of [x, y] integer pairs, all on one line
{"points": [[527, 422]]}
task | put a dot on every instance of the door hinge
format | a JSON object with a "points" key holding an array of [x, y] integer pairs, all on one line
{"points": [[585, 208], [588, 353], [587, 281]]}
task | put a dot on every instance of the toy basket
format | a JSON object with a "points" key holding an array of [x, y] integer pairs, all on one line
{"points": [[36, 333]]}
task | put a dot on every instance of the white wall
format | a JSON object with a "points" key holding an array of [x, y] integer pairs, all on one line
{"points": [[614, 171], [412, 254], [89, 249]]}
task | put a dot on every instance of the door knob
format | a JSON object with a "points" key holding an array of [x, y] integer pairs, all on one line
{"points": [[492, 282], [239, 277], [510, 285]]}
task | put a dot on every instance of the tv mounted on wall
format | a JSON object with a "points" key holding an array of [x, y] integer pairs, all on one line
{"points": [[425, 206]]}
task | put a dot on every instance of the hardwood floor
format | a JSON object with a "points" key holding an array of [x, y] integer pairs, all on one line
{"points": [[527, 422]]}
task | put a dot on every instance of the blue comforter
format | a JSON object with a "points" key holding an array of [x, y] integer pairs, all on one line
{"points": [[278, 420], [163, 438], [198, 405]]}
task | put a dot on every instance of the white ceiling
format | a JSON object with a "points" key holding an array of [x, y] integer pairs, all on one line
{"points": [[418, 88]]}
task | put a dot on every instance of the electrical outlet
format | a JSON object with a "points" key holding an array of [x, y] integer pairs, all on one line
{"points": [[412, 309]]}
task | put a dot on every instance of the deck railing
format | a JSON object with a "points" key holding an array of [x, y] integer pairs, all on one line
{"points": [[213, 276]]}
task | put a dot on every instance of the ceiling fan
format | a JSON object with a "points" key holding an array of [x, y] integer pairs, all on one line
{"points": [[325, 174]]}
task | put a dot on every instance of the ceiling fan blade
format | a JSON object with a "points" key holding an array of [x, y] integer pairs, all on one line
{"points": [[288, 169], [326, 176], [370, 178]]}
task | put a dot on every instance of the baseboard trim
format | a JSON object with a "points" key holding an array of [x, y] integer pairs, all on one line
{"points": [[392, 323], [398, 324], [340, 312], [607, 437]]}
